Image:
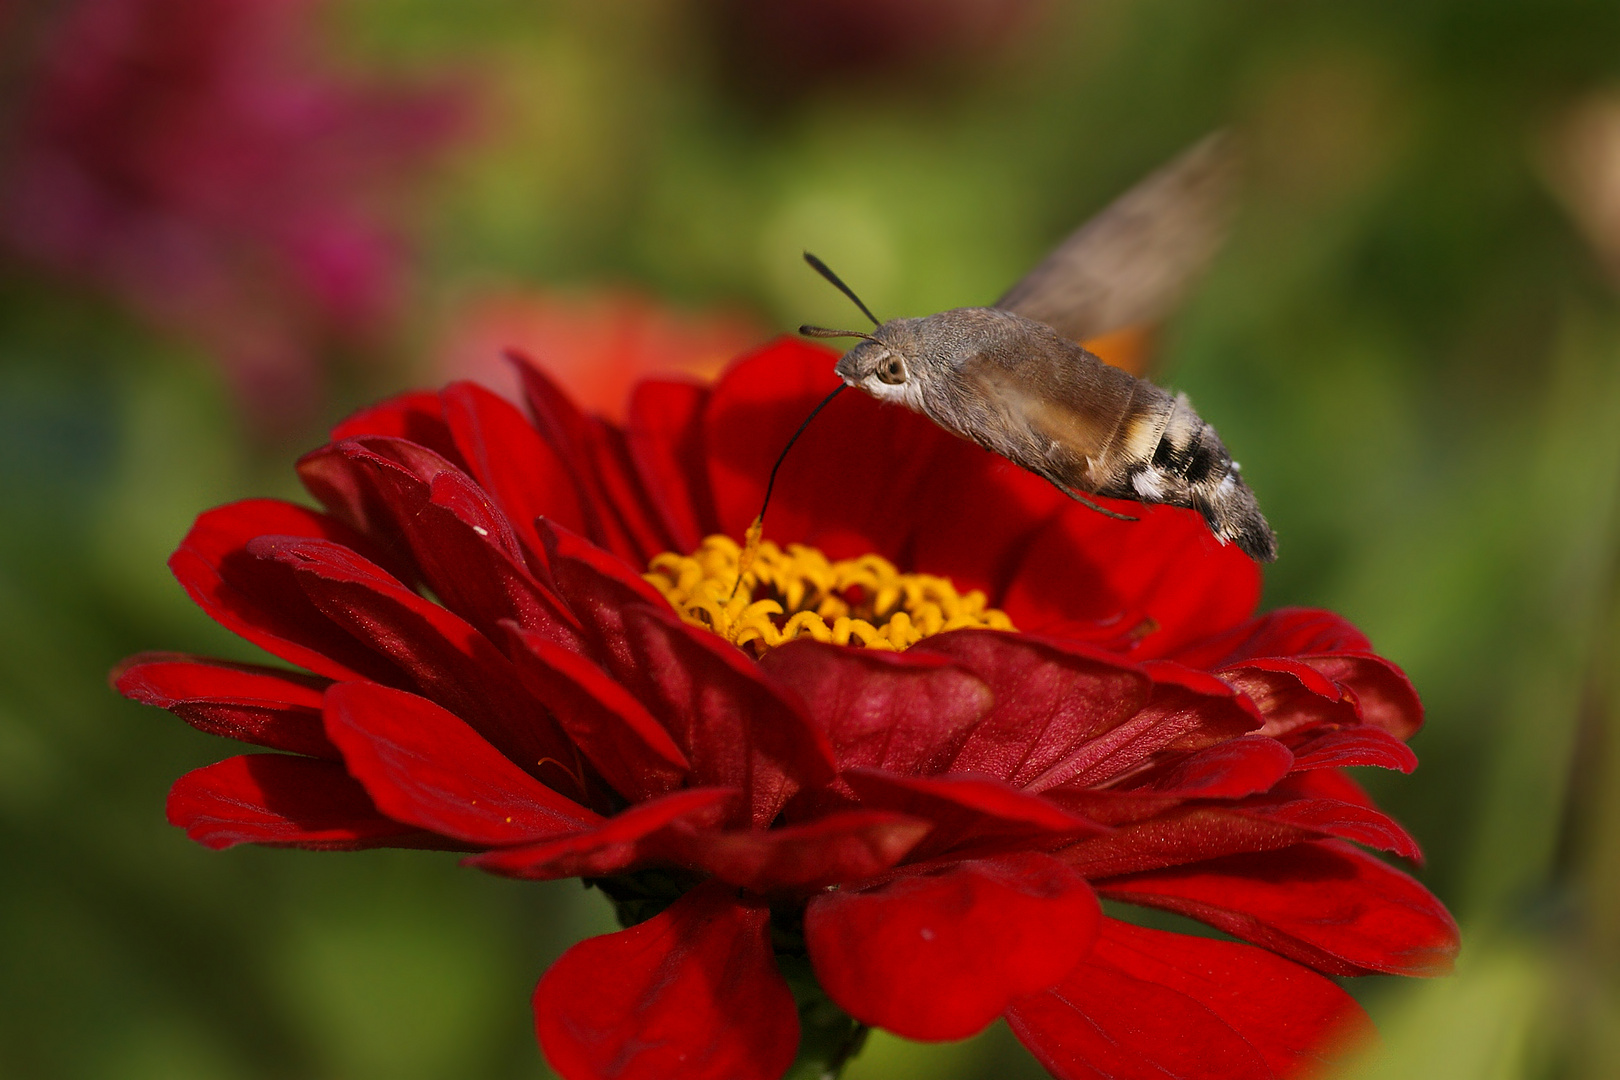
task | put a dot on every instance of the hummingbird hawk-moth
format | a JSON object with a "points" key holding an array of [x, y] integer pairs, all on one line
{"points": [[1014, 378]]}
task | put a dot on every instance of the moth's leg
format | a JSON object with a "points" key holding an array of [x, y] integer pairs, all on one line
{"points": [[1081, 499]]}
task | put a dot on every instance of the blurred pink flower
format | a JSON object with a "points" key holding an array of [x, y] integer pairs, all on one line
{"points": [[594, 344], [192, 158]]}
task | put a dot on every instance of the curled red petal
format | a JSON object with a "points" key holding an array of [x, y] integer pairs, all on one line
{"points": [[1326, 748], [639, 835], [503, 451], [1290, 694], [1348, 820], [905, 712], [1384, 695], [283, 801], [838, 847], [693, 993], [614, 731], [260, 600], [448, 659], [1323, 903], [665, 441], [253, 704], [736, 728], [1163, 1006], [422, 764], [939, 956], [460, 541]]}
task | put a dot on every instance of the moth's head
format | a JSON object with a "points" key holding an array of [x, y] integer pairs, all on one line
{"points": [[884, 364]]}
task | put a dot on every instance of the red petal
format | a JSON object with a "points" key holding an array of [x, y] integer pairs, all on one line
{"points": [[1383, 693], [260, 600], [1188, 710], [1227, 770], [940, 956], [597, 587], [665, 433], [1176, 837], [1105, 1025], [970, 814], [691, 993], [1334, 817], [1291, 694], [424, 765], [627, 500], [634, 754], [1330, 748], [1167, 568], [282, 801], [572, 435], [1323, 903], [460, 540], [1301, 1022], [625, 841], [1054, 701], [260, 705], [511, 461], [736, 729], [1158, 1006], [759, 403], [449, 661], [905, 712], [1284, 632], [839, 847], [415, 415]]}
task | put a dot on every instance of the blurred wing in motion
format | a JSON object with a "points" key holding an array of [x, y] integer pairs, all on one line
{"points": [[1129, 265]]}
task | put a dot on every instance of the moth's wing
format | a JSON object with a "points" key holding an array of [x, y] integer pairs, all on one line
{"points": [[1129, 265], [1059, 407]]}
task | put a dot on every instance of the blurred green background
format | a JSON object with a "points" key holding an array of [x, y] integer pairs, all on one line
{"points": [[1411, 339]]}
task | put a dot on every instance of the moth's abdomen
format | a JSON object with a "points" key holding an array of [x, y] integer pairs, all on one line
{"points": [[1189, 466]]}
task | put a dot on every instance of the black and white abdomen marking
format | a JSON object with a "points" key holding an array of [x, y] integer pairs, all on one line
{"points": [[1190, 466]]}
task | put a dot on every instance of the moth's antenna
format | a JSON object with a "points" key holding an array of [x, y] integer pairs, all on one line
{"points": [[821, 268], [757, 529]]}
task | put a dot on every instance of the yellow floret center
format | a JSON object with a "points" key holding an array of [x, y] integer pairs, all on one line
{"points": [[799, 592]]}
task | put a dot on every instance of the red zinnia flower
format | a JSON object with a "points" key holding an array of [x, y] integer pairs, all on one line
{"points": [[926, 831]]}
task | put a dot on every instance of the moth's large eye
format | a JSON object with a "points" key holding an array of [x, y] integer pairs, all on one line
{"points": [[892, 371]]}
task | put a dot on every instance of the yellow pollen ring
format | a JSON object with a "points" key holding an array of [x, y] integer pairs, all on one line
{"points": [[782, 595]]}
